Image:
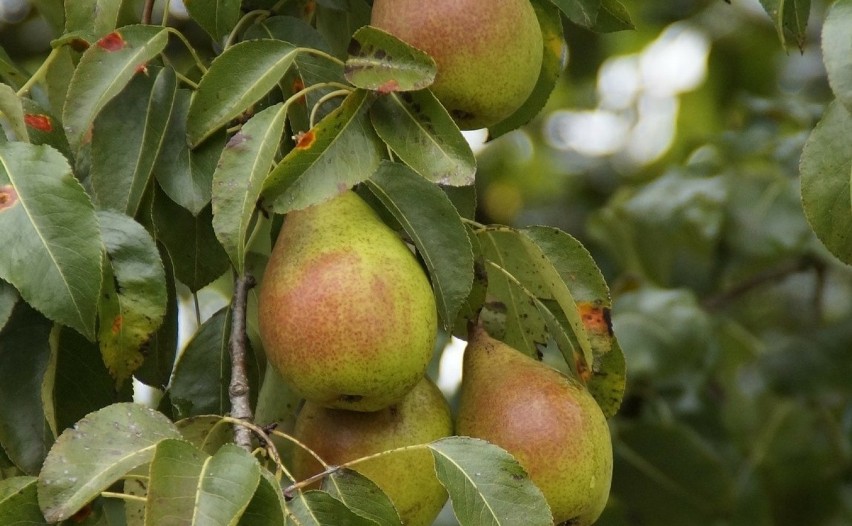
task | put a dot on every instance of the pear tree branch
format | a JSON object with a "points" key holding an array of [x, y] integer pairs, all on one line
{"points": [[238, 390]]}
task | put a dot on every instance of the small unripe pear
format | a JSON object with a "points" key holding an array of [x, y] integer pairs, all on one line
{"points": [[346, 313], [488, 52], [550, 423], [408, 478]]}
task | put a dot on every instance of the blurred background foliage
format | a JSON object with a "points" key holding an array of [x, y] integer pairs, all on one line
{"points": [[672, 153]]}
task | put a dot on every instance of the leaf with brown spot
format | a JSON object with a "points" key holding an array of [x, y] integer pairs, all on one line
{"points": [[381, 62]]}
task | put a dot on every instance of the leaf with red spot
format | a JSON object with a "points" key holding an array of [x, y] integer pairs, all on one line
{"points": [[133, 302], [381, 62], [53, 254], [95, 18], [102, 73], [342, 152], [12, 114], [44, 128]]}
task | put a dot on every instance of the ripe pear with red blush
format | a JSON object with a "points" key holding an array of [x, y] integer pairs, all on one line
{"points": [[549, 422], [488, 52], [346, 314], [408, 477]]}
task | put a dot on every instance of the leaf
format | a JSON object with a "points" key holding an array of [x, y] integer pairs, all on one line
{"points": [[362, 496], [424, 136], [48, 219], [318, 508], [433, 224], [289, 29], [826, 168], [790, 18], [267, 505], [206, 432], [238, 179], [581, 12], [339, 152], [44, 128], [126, 139], [379, 61], [184, 174], [8, 299], [103, 71], [98, 451], [24, 354], [338, 25], [189, 487], [160, 349], [554, 58], [487, 485], [12, 114], [91, 17], [196, 253], [837, 51], [222, 96], [133, 302], [19, 502], [10, 72], [216, 17], [612, 17]]}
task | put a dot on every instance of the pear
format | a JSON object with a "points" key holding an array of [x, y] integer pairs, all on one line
{"points": [[488, 52], [408, 478], [550, 423], [346, 314]]}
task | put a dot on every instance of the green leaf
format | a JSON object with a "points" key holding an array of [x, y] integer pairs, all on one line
{"points": [[217, 17], [362, 496], [8, 299], [337, 25], [57, 78], [161, 348], [47, 218], [126, 139], [289, 29], [431, 221], [554, 57], [196, 253], [24, 355], [318, 508], [203, 372], [53, 12], [222, 95], [12, 114], [10, 72], [379, 61], [790, 18], [267, 505], [133, 302], [424, 136], [581, 12], [189, 487], [19, 502], [206, 432], [44, 128], [612, 17], [339, 152], [487, 485], [91, 17], [185, 174], [826, 168], [103, 71], [98, 451], [837, 50], [238, 179]]}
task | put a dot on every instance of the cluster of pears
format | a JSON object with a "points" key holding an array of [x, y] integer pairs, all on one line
{"points": [[488, 52]]}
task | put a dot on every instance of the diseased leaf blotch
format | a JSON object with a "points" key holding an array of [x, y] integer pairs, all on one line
{"points": [[112, 42], [8, 197], [39, 122]]}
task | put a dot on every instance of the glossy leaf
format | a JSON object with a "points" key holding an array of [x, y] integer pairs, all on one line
{"points": [[103, 71], [554, 57], [238, 179], [790, 18], [433, 224], [12, 114], [837, 51], [362, 496], [581, 12], [133, 302], [217, 17], [486, 484], [318, 508], [47, 220], [826, 169], [379, 61], [19, 502], [185, 174], [127, 137], [189, 487], [423, 135], [24, 354], [91, 17], [57, 78], [267, 505], [98, 451], [222, 95], [339, 152]]}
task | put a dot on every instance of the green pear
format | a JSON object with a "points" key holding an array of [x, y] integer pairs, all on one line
{"points": [[488, 52], [408, 478], [346, 314], [550, 423]]}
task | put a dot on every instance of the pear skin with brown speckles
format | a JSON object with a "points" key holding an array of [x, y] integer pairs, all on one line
{"points": [[549, 422], [346, 314]]}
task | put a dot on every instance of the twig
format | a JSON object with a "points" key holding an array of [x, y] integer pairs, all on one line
{"points": [[261, 434], [238, 390], [147, 11]]}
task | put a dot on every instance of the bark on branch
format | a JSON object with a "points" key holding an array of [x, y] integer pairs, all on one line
{"points": [[238, 390]]}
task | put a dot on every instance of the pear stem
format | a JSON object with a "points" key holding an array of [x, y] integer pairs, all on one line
{"points": [[238, 390]]}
